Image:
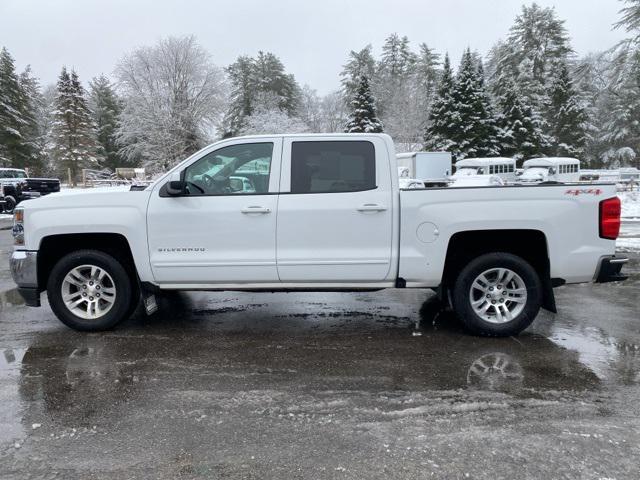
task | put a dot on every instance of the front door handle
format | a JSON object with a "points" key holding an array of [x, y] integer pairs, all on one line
{"points": [[371, 207], [256, 209]]}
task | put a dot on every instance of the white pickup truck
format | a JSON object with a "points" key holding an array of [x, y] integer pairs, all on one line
{"points": [[324, 213]]}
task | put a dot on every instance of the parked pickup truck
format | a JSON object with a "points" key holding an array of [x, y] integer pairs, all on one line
{"points": [[16, 186], [326, 214]]}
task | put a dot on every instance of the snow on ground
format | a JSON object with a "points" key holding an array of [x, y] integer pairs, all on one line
{"points": [[630, 204], [630, 230]]}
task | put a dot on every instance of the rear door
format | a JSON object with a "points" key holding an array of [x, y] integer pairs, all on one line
{"points": [[334, 211]]}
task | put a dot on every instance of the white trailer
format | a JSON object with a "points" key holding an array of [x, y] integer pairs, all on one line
{"points": [[428, 167]]}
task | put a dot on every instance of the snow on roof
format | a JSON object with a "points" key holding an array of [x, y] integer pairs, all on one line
{"points": [[550, 162], [483, 162], [413, 154]]}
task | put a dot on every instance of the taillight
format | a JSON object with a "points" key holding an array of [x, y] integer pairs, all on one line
{"points": [[610, 218]]}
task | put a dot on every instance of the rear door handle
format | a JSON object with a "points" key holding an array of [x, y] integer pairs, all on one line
{"points": [[256, 209], [371, 207]]}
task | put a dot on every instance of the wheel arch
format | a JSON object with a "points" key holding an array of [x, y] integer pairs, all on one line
{"points": [[531, 245], [53, 247]]}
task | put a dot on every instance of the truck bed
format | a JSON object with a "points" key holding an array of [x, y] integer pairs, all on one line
{"points": [[566, 214]]}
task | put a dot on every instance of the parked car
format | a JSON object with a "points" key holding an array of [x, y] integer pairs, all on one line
{"points": [[551, 169], [330, 216], [476, 181], [241, 185], [16, 186], [407, 183]]}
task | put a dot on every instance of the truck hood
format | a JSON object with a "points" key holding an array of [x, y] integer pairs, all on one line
{"points": [[87, 197]]}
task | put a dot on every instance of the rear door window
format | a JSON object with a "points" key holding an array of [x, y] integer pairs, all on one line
{"points": [[338, 166]]}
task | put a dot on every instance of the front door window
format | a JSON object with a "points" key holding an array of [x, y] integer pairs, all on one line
{"points": [[236, 169]]}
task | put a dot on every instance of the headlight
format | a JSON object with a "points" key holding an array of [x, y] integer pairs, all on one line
{"points": [[18, 226]]}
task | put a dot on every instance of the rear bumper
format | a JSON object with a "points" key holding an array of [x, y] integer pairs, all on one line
{"points": [[24, 270], [609, 269]]}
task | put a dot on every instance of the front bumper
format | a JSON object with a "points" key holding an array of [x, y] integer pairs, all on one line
{"points": [[24, 270], [609, 269]]}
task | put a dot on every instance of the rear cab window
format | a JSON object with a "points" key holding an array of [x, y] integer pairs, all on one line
{"points": [[332, 166]]}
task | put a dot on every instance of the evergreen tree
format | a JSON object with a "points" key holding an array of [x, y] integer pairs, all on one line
{"points": [[34, 131], [426, 72], [242, 93], [630, 20], [363, 111], [16, 117], [441, 131], [360, 63], [106, 109], [622, 130], [568, 118], [269, 77], [74, 146], [391, 83], [537, 41], [259, 83], [476, 131], [520, 134]]}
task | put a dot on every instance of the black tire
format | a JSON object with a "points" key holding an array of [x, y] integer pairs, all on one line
{"points": [[124, 298], [9, 204], [462, 301]]}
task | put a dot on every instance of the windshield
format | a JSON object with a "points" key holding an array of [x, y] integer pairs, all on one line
{"points": [[466, 171], [533, 172], [13, 174]]}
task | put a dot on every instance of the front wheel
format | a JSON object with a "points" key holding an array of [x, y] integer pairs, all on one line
{"points": [[90, 290], [497, 294], [9, 204]]}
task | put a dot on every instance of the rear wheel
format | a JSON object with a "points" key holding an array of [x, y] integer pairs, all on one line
{"points": [[90, 290], [497, 294]]}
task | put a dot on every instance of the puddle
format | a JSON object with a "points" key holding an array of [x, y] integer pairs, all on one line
{"points": [[611, 360], [10, 298]]}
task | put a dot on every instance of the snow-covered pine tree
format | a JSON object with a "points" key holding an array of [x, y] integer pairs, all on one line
{"points": [[475, 132], [359, 63], [622, 130], [15, 117], [105, 111], [259, 83], [240, 74], [537, 40], [34, 132], [393, 73], [440, 133], [427, 73], [73, 134], [520, 134], [567, 116], [363, 117], [630, 20]]}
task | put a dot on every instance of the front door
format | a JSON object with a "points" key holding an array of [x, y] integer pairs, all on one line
{"points": [[335, 211], [222, 230]]}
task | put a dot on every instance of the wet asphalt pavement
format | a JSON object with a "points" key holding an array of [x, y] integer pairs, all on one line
{"points": [[323, 385]]}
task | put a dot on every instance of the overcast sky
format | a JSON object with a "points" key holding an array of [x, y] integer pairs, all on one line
{"points": [[311, 37]]}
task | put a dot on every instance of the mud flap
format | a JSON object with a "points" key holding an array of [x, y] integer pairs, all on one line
{"points": [[548, 297], [150, 303]]}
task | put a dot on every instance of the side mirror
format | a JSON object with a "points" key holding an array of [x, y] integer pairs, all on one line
{"points": [[175, 186]]}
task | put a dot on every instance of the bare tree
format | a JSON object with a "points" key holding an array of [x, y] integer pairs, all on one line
{"points": [[174, 96]]}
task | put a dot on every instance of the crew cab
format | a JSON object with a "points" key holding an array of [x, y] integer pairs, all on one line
{"points": [[326, 213], [16, 186]]}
